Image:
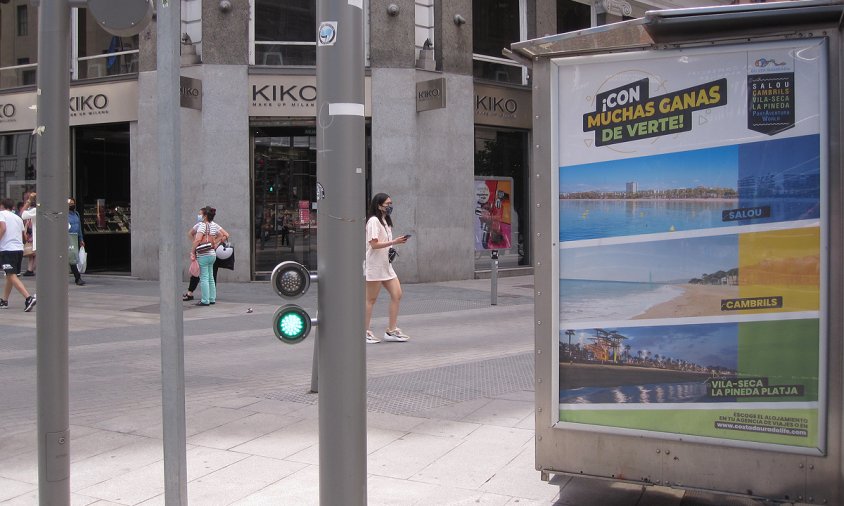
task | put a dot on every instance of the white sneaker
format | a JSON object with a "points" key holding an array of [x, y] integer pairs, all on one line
{"points": [[371, 339], [396, 336]]}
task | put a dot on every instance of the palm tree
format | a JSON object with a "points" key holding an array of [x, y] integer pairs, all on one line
{"points": [[569, 333]]}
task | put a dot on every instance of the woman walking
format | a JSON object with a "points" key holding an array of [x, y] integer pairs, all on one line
{"points": [[379, 270], [208, 236]]}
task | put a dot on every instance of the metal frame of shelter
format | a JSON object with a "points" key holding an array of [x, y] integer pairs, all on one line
{"points": [[776, 472]]}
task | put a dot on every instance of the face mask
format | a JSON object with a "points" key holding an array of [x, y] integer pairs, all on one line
{"points": [[72, 208], [389, 210], [198, 218]]}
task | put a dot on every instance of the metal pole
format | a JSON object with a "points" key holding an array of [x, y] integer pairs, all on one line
{"points": [[52, 180], [493, 278], [170, 253], [341, 171], [315, 365]]}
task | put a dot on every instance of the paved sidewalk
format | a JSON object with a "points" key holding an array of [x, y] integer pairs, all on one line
{"points": [[450, 413]]}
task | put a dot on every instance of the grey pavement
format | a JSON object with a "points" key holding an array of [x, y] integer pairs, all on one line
{"points": [[450, 414]]}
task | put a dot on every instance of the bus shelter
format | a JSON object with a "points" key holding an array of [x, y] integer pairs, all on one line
{"points": [[687, 222]]}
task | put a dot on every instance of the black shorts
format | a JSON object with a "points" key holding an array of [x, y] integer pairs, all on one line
{"points": [[10, 261]]}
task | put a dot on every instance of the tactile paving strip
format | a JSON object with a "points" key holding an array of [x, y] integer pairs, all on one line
{"points": [[416, 391]]}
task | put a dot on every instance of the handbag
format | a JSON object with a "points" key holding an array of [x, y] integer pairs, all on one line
{"points": [[205, 247], [72, 249], [224, 250], [194, 268], [82, 261], [228, 262], [392, 254], [27, 249]]}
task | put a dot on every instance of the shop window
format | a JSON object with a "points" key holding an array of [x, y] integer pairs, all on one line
{"points": [[282, 32], [23, 21], [98, 53], [503, 155], [496, 25]]}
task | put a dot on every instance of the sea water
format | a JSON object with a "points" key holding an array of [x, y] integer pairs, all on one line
{"points": [[593, 219], [583, 300], [694, 391]]}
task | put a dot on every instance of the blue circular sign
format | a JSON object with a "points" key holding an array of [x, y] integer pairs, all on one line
{"points": [[327, 33]]}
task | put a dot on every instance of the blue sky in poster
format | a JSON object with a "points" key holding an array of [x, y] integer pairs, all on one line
{"points": [[673, 261], [704, 344], [714, 167], [780, 178]]}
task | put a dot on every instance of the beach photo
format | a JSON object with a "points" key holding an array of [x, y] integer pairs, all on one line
{"points": [[727, 186], [733, 274], [657, 279]]}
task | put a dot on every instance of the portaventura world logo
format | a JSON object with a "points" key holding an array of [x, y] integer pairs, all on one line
{"points": [[628, 113]]}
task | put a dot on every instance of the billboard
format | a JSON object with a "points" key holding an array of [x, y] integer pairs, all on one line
{"points": [[493, 223], [692, 244]]}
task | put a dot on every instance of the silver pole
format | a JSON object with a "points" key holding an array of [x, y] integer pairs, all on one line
{"points": [[52, 180], [315, 365], [341, 171], [493, 278], [170, 253]]}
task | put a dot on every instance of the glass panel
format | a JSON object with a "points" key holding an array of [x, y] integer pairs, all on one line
{"points": [[102, 192], [99, 44], [284, 197], [285, 20], [573, 16], [283, 54], [495, 25], [17, 165], [18, 43], [502, 153], [497, 72]]}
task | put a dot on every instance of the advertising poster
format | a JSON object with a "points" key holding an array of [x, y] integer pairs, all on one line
{"points": [[692, 253], [493, 213]]}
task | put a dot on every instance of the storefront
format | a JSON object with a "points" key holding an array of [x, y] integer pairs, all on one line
{"points": [[283, 141], [100, 119], [502, 135]]}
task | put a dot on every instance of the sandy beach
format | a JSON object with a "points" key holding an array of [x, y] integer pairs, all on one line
{"points": [[696, 300]]}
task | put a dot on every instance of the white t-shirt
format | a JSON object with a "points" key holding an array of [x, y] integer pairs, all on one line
{"points": [[378, 266], [12, 239], [30, 214]]}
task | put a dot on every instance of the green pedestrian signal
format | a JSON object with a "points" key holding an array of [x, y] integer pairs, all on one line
{"points": [[291, 323]]}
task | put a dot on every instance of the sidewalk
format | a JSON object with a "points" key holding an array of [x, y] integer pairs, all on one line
{"points": [[450, 413]]}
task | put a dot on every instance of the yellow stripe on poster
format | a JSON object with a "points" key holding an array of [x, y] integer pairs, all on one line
{"points": [[781, 263]]}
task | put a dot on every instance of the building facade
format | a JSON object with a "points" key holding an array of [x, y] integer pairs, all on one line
{"points": [[445, 110]]}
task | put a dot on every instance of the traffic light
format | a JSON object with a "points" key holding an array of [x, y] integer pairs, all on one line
{"points": [[291, 323]]}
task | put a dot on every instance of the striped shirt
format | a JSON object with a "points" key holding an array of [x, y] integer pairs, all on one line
{"points": [[206, 228]]}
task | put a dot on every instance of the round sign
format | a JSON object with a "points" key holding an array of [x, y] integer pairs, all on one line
{"points": [[124, 18], [327, 33]]}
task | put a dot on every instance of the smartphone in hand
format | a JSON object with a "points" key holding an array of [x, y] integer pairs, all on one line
{"points": [[408, 236]]}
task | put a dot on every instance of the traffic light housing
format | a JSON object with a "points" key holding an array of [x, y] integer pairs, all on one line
{"points": [[291, 323]]}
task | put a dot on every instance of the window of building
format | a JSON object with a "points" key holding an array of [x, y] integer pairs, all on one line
{"points": [[283, 32], [496, 25], [14, 20], [97, 53], [573, 16], [23, 21], [424, 16]]}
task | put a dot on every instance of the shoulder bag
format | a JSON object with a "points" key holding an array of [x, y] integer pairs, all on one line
{"points": [[206, 247]]}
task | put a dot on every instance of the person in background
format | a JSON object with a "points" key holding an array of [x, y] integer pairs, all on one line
{"points": [[11, 254], [207, 231], [194, 280], [75, 222], [379, 270], [28, 213]]}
